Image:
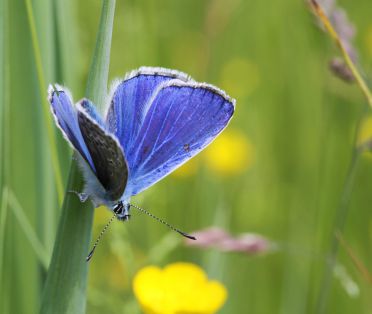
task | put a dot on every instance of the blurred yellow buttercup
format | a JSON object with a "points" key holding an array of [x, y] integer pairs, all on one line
{"points": [[179, 288], [365, 134], [368, 40], [365, 131], [230, 154]]}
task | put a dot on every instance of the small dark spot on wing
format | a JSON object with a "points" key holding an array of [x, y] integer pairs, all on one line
{"points": [[145, 150]]}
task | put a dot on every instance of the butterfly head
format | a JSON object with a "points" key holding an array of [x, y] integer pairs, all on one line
{"points": [[122, 210]]}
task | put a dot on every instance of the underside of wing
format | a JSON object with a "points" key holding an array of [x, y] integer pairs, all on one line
{"points": [[183, 118], [65, 116], [89, 108], [107, 156]]}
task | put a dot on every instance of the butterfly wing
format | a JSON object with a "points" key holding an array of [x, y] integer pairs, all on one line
{"points": [[130, 101], [85, 131], [182, 119], [106, 153], [89, 108], [65, 116]]}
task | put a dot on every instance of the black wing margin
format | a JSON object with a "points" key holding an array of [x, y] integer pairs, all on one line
{"points": [[107, 155]]}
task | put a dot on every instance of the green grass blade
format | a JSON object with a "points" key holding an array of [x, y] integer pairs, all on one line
{"points": [[21, 130], [47, 212], [339, 222], [4, 150], [2, 81], [45, 106], [98, 75], [3, 217], [65, 287], [27, 228], [67, 39]]}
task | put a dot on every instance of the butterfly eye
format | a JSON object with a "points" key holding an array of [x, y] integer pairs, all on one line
{"points": [[118, 208]]}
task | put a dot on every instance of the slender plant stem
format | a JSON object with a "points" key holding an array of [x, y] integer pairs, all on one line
{"points": [[45, 106], [328, 26], [341, 213], [5, 145], [340, 219], [27, 228], [3, 218], [339, 224], [65, 287], [357, 262]]}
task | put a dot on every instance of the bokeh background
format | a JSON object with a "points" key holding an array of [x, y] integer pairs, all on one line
{"points": [[279, 169]]}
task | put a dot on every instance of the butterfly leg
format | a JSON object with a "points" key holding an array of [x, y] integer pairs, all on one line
{"points": [[83, 197]]}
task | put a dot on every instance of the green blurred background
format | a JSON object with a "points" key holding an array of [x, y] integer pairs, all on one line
{"points": [[279, 170]]}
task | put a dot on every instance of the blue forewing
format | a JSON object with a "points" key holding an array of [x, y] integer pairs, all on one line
{"points": [[156, 120]]}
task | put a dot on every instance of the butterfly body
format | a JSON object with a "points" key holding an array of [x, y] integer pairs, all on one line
{"points": [[156, 120], [121, 210]]}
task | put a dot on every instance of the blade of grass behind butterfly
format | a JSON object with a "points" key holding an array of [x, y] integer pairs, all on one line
{"points": [[4, 80], [66, 41], [45, 107], [3, 216], [65, 287], [61, 68], [23, 119], [44, 52], [3, 76]]}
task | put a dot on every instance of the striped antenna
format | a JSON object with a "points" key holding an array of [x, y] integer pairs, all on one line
{"points": [[90, 255], [163, 222]]}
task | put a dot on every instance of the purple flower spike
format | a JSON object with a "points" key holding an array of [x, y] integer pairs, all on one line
{"points": [[346, 32], [208, 237], [247, 243], [218, 238]]}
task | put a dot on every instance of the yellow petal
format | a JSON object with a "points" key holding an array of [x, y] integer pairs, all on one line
{"points": [[180, 288], [365, 132], [368, 40], [230, 154]]}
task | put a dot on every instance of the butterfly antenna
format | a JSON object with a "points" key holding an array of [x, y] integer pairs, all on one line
{"points": [[163, 222], [99, 238]]}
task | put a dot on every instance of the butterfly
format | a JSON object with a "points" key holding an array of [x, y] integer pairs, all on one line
{"points": [[155, 120]]}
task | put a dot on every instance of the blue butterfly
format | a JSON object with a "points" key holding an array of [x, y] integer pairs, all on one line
{"points": [[156, 120]]}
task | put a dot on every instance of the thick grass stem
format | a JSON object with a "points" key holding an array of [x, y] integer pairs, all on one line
{"points": [[65, 287]]}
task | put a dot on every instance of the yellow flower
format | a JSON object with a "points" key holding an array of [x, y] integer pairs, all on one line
{"points": [[230, 154], [368, 41], [179, 288], [365, 131], [365, 135]]}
